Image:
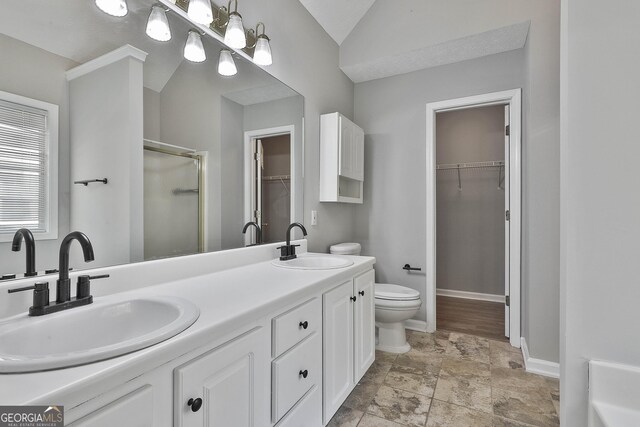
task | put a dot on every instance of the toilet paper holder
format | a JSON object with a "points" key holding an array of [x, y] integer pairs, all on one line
{"points": [[409, 268]]}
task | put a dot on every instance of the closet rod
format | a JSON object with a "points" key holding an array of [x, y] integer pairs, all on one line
{"points": [[474, 165]]}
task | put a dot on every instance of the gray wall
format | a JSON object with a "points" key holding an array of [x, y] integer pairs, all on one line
{"points": [[38, 74], [391, 223], [470, 222], [600, 227], [392, 112]]}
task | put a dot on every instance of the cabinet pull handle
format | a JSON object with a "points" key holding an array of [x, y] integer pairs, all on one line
{"points": [[353, 299], [361, 293], [304, 325], [303, 374], [195, 404]]}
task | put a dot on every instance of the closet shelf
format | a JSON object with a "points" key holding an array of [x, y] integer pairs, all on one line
{"points": [[276, 178], [473, 165]]}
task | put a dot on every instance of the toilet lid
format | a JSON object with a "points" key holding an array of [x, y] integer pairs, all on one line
{"points": [[345, 249], [395, 292]]}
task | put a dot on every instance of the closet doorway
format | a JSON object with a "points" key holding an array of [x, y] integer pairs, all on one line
{"points": [[473, 215], [269, 187]]}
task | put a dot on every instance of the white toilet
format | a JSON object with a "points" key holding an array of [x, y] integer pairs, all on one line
{"points": [[394, 304]]}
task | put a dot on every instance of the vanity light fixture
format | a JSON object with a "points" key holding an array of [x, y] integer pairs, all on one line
{"points": [[116, 8], [200, 11], [226, 65], [262, 48], [158, 25], [193, 48], [234, 35]]}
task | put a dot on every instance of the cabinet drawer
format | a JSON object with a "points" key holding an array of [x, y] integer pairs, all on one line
{"points": [[307, 412], [289, 328], [288, 383]]}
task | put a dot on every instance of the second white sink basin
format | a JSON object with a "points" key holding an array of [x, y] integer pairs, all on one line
{"points": [[314, 262], [91, 333]]}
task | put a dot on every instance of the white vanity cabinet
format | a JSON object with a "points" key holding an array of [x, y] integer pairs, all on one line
{"points": [[134, 409], [341, 159], [227, 386], [349, 339]]}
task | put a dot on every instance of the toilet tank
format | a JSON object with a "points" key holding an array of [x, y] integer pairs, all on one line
{"points": [[346, 249]]}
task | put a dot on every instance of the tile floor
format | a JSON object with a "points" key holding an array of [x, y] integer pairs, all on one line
{"points": [[451, 379]]}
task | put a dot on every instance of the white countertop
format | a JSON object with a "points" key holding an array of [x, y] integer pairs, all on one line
{"points": [[227, 300]]}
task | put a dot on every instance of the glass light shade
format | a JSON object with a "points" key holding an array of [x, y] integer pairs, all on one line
{"points": [[226, 65], [262, 52], [113, 7], [193, 49], [158, 25], [234, 35], [200, 11]]}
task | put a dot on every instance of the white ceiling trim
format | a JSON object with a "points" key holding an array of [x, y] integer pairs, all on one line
{"points": [[487, 43], [338, 17]]}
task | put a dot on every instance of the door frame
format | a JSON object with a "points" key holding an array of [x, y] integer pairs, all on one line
{"points": [[513, 98], [249, 137]]}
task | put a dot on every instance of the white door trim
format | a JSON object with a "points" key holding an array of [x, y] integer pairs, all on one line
{"points": [[514, 99], [265, 133]]}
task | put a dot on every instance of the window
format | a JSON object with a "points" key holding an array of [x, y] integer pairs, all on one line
{"points": [[28, 167]]}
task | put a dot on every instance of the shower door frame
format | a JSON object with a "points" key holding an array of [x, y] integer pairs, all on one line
{"points": [[512, 98], [201, 168]]}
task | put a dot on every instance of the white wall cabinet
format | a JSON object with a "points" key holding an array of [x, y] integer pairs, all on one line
{"points": [[227, 386], [341, 159], [349, 339]]}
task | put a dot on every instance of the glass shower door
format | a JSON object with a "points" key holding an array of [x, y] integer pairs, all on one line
{"points": [[172, 204]]}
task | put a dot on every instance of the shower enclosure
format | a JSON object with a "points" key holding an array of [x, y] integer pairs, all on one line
{"points": [[173, 202]]}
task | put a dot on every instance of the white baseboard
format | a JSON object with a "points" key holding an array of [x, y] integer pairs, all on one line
{"points": [[416, 325], [539, 366], [470, 295]]}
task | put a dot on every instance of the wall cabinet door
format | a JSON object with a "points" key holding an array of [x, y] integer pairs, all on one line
{"points": [[338, 348], [364, 324], [346, 148], [229, 386], [358, 153]]}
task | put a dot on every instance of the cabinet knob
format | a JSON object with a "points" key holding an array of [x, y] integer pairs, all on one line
{"points": [[353, 299], [304, 325], [304, 373], [361, 293], [195, 404]]}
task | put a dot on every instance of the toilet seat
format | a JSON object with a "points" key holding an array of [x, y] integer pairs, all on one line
{"points": [[388, 292]]}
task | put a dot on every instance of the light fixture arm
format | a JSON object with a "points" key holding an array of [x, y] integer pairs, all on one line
{"points": [[255, 34]]}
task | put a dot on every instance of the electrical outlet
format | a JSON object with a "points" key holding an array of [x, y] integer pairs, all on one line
{"points": [[314, 217]]}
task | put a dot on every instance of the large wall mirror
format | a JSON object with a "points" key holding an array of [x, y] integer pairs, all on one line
{"points": [[109, 132]]}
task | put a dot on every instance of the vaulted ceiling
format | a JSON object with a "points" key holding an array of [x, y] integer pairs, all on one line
{"points": [[338, 17]]}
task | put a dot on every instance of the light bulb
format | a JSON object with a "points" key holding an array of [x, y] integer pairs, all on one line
{"points": [[193, 49], [158, 25], [234, 35], [226, 65], [200, 11], [113, 7], [262, 52]]}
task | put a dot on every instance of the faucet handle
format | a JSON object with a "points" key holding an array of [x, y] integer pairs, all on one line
{"points": [[83, 284], [40, 294]]}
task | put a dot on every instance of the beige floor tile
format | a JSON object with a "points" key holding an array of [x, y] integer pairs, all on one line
{"points": [[468, 347], [531, 407], [377, 372], [419, 363], [421, 342], [361, 396], [517, 380], [373, 421], [447, 415], [345, 417], [385, 357], [468, 369], [470, 393], [503, 422], [501, 358], [420, 382], [502, 345], [400, 406]]}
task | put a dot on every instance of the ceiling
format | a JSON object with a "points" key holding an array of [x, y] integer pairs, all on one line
{"points": [[338, 17]]}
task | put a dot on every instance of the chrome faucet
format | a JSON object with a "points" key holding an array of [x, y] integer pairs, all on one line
{"points": [[63, 285], [288, 251], [258, 231], [30, 249]]}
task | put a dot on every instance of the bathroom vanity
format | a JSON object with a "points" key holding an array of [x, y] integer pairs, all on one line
{"points": [[271, 346]]}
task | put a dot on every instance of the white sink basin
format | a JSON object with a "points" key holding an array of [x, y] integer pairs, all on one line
{"points": [[91, 333], [314, 262]]}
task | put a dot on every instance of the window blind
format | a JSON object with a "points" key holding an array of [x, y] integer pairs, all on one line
{"points": [[23, 168]]}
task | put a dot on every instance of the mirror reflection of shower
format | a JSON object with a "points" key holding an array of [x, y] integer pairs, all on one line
{"points": [[173, 201]]}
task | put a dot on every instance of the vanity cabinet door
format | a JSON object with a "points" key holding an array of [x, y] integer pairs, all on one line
{"points": [[338, 347], [134, 409], [364, 324], [229, 386]]}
